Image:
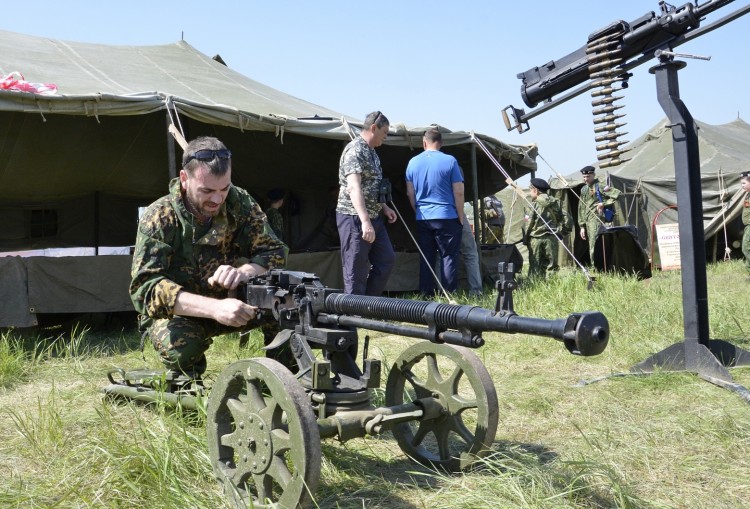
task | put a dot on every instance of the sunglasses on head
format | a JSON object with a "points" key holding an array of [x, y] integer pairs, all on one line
{"points": [[209, 155]]}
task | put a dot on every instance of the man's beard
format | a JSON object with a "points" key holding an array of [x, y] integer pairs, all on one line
{"points": [[199, 212]]}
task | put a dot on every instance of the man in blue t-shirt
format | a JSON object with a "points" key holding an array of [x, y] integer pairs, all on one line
{"points": [[435, 186]]}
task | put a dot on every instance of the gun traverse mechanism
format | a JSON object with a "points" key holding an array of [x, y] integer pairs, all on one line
{"points": [[265, 420]]}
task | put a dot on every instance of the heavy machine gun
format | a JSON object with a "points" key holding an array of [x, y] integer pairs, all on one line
{"points": [[604, 62], [266, 419]]}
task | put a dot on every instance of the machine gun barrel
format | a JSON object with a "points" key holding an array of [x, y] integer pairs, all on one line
{"points": [[624, 40], [582, 333]]}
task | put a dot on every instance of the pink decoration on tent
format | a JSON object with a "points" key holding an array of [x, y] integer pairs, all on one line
{"points": [[16, 82]]}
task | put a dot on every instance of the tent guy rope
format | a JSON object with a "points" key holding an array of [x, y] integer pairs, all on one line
{"points": [[515, 187], [422, 255]]}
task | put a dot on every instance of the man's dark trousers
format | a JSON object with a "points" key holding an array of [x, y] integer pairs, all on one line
{"points": [[439, 237], [366, 266]]}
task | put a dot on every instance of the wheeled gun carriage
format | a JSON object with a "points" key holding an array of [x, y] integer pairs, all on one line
{"points": [[266, 419]]}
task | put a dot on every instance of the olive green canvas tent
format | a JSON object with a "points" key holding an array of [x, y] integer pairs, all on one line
{"points": [[649, 190], [76, 166]]}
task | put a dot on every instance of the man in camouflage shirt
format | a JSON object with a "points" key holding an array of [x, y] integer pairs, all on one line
{"points": [[544, 221], [367, 255], [194, 246], [494, 220], [595, 198], [745, 184], [273, 214]]}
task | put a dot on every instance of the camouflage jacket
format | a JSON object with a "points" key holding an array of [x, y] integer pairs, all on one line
{"points": [[359, 157], [589, 199], [493, 211], [173, 251], [544, 207], [746, 210], [276, 221]]}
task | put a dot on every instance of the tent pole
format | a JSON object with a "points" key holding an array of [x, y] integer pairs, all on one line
{"points": [[171, 156], [475, 203], [697, 353], [97, 203]]}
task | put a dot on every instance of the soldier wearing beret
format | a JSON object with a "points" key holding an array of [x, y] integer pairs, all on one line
{"points": [[544, 221], [595, 207], [745, 183], [193, 246]]}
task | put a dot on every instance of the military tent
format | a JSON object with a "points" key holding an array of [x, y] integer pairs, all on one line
{"points": [[648, 185], [75, 166]]}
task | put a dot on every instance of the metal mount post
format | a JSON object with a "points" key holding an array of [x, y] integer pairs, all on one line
{"points": [[696, 353], [505, 285]]}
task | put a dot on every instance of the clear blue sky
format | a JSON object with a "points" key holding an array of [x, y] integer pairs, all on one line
{"points": [[452, 63]]}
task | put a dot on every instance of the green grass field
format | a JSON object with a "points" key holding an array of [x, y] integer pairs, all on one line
{"points": [[667, 440]]}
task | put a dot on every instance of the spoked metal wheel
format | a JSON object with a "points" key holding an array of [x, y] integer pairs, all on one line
{"points": [[263, 437], [458, 379]]}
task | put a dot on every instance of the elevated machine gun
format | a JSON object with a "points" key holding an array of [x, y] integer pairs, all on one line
{"points": [[600, 65], [265, 423]]}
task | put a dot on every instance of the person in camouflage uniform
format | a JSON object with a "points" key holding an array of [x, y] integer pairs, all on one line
{"points": [[193, 246], [367, 256], [544, 221], [592, 205], [494, 220], [273, 214], [745, 183]]}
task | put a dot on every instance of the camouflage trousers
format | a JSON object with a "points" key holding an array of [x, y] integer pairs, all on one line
{"points": [[591, 228], [746, 247], [493, 234], [182, 341], [542, 256]]}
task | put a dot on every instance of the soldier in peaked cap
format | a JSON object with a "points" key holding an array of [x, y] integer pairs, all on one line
{"points": [[544, 220], [745, 183], [595, 207]]}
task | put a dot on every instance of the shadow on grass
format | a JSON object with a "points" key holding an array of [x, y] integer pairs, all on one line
{"points": [[360, 479], [584, 483], [369, 473], [363, 479]]}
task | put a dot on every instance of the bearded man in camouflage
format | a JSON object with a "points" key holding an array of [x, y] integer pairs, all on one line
{"points": [[194, 246], [367, 255]]}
